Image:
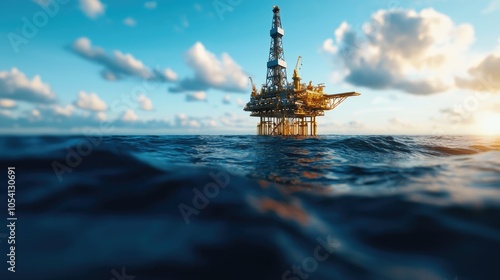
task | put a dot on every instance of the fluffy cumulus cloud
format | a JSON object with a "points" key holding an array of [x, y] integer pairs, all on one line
{"points": [[182, 120], [185, 121], [90, 101], [415, 52], [211, 72], [119, 65], [196, 96], [145, 103], [169, 75], [50, 115], [60, 118], [16, 86], [63, 118], [58, 110], [129, 116], [35, 113], [483, 77], [92, 8], [7, 104]]}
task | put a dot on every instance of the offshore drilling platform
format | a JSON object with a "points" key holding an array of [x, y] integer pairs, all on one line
{"points": [[284, 108]]}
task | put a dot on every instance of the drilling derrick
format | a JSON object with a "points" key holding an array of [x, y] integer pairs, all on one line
{"points": [[276, 66], [288, 108]]}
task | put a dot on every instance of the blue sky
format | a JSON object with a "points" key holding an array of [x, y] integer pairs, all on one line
{"points": [[181, 67]]}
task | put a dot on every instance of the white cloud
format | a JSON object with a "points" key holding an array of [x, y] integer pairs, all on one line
{"points": [[54, 111], [194, 124], [493, 6], [196, 96], [119, 65], [212, 123], [7, 104], [63, 118], [182, 120], [150, 5], [483, 77], [211, 72], [329, 46], [90, 101], [170, 75], [130, 64], [15, 85], [145, 103], [101, 116], [415, 52], [92, 8], [129, 116], [129, 21], [67, 110], [35, 113], [189, 122]]}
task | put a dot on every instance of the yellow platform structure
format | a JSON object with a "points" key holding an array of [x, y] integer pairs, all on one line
{"points": [[288, 108]]}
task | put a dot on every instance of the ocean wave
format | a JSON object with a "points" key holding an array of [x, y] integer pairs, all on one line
{"points": [[247, 207]]}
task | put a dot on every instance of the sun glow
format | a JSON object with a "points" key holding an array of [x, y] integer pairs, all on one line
{"points": [[489, 124]]}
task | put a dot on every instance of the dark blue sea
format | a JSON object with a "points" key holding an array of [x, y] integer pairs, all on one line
{"points": [[250, 207]]}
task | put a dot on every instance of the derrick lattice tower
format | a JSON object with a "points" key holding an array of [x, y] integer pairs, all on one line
{"points": [[276, 66], [288, 108]]}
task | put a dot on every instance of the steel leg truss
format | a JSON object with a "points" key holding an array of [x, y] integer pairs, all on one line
{"points": [[287, 126]]}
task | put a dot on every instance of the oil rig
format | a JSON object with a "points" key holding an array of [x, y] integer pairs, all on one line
{"points": [[288, 108]]}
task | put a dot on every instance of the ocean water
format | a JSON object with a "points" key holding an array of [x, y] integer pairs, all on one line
{"points": [[249, 207]]}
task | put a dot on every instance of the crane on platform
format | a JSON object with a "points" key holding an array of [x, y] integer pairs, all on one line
{"points": [[296, 78], [283, 108], [254, 89]]}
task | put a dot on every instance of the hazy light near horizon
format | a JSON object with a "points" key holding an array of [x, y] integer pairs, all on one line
{"points": [[488, 123]]}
